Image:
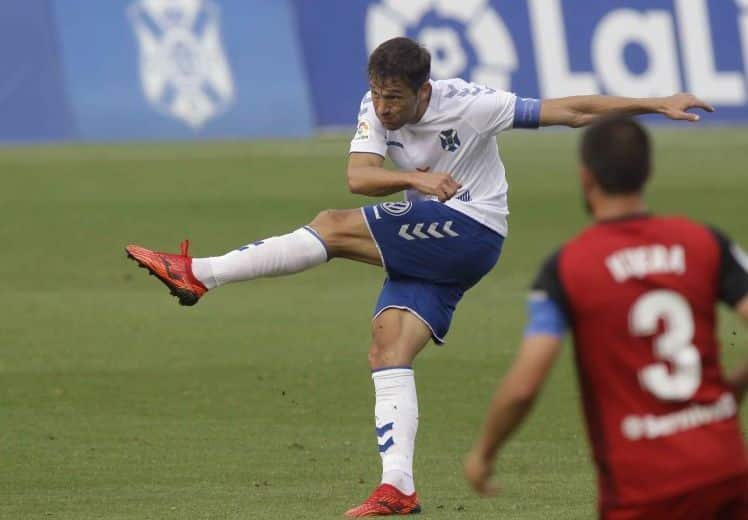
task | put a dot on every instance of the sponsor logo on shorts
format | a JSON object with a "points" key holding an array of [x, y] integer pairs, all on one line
{"points": [[396, 209]]}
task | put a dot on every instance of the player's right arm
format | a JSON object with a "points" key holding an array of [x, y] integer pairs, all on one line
{"points": [[367, 176]]}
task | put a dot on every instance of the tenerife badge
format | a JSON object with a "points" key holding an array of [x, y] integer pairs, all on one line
{"points": [[450, 140], [183, 69]]}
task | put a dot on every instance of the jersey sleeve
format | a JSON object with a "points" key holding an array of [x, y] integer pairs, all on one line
{"points": [[492, 111], [733, 270], [370, 134], [547, 304], [495, 111]]}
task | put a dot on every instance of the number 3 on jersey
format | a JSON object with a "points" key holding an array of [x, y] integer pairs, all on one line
{"points": [[673, 345]]}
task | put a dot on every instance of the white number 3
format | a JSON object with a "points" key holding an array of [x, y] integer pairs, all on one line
{"points": [[673, 345]]}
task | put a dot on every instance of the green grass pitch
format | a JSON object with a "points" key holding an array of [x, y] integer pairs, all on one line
{"points": [[116, 403]]}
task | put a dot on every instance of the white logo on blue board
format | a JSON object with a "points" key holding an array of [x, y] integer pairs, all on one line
{"points": [[183, 69], [466, 38], [396, 209]]}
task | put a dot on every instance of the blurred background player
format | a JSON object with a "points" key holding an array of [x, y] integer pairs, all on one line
{"points": [[434, 246], [639, 292]]}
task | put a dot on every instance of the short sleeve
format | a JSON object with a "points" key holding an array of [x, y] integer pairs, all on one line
{"points": [[733, 270], [547, 283], [370, 134], [492, 111], [547, 303]]}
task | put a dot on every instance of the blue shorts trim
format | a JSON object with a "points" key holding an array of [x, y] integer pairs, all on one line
{"points": [[366, 221], [437, 339], [433, 304]]}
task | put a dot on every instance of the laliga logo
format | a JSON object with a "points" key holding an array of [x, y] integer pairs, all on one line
{"points": [[465, 37], [183, 69]]}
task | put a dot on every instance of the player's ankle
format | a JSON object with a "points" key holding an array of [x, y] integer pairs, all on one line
{"points": [[202, 270], [400, 480]]}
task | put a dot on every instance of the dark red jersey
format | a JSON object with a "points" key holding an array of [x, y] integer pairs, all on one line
{"points": [[640, 296]]}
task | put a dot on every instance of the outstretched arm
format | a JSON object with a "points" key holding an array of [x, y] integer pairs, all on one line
{"points": [[576, 111], [511, 403]]}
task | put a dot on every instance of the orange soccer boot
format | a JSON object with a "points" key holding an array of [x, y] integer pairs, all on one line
{"points": [[175, 271], [386, 500]]}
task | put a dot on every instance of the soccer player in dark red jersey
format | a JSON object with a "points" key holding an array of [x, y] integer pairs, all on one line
{"points": [[639, 293]]}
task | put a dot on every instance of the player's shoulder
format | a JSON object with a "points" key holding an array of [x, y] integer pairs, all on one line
{"points": [[644, 224], [601, 237], [366, 103], [459, 94], [548, 267], [367, 118], [685, 230]]}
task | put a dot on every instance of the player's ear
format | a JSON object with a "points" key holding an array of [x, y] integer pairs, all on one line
{"points": [[424, 90]]}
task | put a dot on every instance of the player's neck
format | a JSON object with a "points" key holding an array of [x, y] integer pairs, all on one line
{"points": [[611, 208]]}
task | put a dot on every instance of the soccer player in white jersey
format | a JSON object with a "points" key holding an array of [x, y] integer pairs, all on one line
{"points": [[433, 247]]}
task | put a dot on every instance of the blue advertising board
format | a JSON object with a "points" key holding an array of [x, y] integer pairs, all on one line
{"points": [[170, 69], [33, 105], [537, 48]]}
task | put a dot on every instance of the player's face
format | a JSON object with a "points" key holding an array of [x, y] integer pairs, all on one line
{"points": [[394, 101]]}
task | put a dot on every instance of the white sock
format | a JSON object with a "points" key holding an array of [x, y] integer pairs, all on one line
{"points": [[396, 416], [274, 256]]}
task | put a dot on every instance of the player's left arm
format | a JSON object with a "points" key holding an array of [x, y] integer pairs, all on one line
{"points": [[577, 111], [512, 401]]}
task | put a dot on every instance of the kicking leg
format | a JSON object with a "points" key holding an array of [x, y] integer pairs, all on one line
{"points": [[333, 233], [398, 336]]}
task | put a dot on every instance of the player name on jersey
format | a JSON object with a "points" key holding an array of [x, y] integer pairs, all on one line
{"points": [[641, 261]]}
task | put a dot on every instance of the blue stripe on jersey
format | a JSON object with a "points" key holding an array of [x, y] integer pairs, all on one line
{"points": [[465, 197], [526, 113], [545, 317]]}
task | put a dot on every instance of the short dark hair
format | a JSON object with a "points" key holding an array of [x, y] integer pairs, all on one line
{"points": [[401, 58], [616, 150]]}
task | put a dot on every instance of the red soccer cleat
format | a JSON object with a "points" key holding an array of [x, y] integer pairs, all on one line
{"points": [[386, 500], [175, 271]]}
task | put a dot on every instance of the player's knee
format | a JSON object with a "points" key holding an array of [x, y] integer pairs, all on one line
{"points": [[381, 356], [384, 350], [327, 223]]}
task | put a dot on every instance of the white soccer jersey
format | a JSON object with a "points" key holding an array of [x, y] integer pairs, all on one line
{"points": [[456, 135]]}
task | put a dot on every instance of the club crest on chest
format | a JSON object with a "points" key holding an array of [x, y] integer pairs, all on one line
{"points": [[450, 140]]}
